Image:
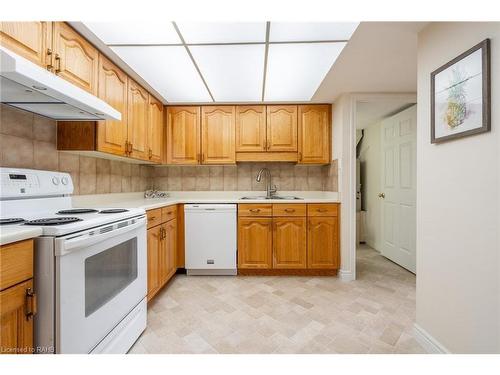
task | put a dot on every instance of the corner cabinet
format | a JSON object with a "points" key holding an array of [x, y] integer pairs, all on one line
{"points": [[17, 298], [155, 130], [218, 135], [314, 134], [183, 135], [113, 89]]}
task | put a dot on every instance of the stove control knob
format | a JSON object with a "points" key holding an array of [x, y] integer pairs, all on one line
{"points": [[64, 180], [55, 180]]}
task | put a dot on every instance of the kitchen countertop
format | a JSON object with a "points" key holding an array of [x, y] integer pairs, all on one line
{"points": [[16, 233], [137, 200]]}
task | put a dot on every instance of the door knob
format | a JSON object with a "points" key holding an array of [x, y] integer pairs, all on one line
{"points": [[381, 195]]}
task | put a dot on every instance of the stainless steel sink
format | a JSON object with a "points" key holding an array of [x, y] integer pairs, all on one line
{"points": [[263, 197]]}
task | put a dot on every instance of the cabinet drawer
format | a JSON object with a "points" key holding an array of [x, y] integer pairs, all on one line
{"points": [[255, 209], [168, 213], [16, 263], [322, 209], [154, 217], [292, 209]]}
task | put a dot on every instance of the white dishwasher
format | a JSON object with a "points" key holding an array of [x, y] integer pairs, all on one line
{"points": [[210, 239]]}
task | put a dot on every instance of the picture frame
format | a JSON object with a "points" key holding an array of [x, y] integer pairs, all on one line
{"points": [[461, 95]]}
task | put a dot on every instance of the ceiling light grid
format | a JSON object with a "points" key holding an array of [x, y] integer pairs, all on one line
{"points": [[229, 62]]}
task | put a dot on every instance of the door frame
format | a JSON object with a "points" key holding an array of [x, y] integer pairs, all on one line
{"points": [[347, 177]]}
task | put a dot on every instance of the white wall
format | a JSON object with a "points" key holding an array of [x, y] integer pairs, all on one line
{"points": [[458, 205], [370, 157]]}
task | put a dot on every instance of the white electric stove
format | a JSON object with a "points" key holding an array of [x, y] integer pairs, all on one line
{"points": [[90, 264]]}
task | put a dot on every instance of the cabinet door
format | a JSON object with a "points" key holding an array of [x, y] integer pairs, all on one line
{"points": [[171, 248], [75, 59], [250, 128], [289, 242], [282, 128], [314, 134], [112, 134], [31, 40], [255, 241], [138, 117], [155, 130], [218, 135], [323, 243], [183, 135], [154, 247], [16, 327]]}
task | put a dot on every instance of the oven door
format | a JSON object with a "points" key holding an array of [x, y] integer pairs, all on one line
{"points": [[101, 276]]}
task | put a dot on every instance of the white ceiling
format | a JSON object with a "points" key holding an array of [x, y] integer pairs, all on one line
{"points": [[207, 62], [380, 57]]}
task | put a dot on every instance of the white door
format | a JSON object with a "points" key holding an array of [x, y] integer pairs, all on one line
{"points": [[399, 188]]}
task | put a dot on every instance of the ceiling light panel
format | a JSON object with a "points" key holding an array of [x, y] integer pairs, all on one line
{"points": [[169, 70], [222, 32], [311, 31], [234, 73], [294, 71], [135, 32]]}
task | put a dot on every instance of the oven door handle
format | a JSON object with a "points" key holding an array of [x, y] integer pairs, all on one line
{"points": [[65, 246]]}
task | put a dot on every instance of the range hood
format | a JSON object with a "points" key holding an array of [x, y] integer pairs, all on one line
{"points": [[28, 86]]}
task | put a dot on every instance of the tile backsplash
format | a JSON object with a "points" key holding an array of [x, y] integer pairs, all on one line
{"points": [[29, 141]]}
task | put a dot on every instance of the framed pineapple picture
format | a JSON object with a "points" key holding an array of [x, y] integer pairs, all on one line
{"points": [[461, 95]]}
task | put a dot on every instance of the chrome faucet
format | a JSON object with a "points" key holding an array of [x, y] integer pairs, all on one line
{"points": [[270, 191]]}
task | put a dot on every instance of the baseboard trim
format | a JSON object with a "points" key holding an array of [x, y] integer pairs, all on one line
{"points": [[346, 275], [428, 342]]}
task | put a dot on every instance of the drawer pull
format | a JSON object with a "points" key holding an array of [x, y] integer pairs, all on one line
{"points": [[151, 218], [255, 210], [289, 209], [30, 304], [322, 210]]}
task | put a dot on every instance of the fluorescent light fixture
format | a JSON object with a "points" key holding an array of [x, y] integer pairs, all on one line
{"points": [[135, 32], [294, 71], [222, 32], [168, 69], [311, 31], [234, 73]]}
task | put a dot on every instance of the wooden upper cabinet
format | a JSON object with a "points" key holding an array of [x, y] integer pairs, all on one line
{"points": [[218, 135], [289, 242], [323, 243], [112, 134], [183, 135], [138, 117], [251, 128], [31, 40], [282, 128], [75, 59], [155, 130], [314, 134], [255, 242]]}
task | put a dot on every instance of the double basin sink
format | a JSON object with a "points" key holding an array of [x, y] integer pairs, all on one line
{"points": [[263, 197]]}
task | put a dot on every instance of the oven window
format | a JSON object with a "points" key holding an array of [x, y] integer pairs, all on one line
{"points": [[108, 273]]}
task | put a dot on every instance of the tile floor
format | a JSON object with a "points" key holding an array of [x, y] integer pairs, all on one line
{"points": [[201, 314]]}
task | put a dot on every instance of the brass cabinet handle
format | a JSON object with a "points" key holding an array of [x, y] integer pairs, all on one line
{"points": [[30, 304], [150, 153], [58, 63], [254, 210], [126, 147], [130, 148], [381, 195], [289, 209], [300, 156], [50, 66], [202, 157], [151, 218], [322, 210]]}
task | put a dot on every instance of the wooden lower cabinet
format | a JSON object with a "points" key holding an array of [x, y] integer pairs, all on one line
{"points": [[289, 242], [278, 239], [255, 242], [162, 252], [323, 243], [17, 298]]}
